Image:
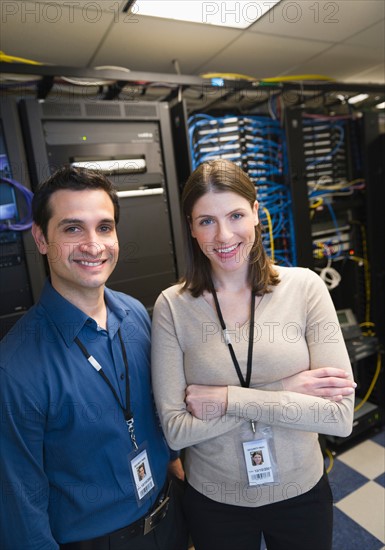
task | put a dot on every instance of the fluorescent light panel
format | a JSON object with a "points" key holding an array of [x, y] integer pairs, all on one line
{"points": [[239, 15]]}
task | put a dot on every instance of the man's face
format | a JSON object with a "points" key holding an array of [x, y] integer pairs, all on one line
{"points": [[81, 245]]}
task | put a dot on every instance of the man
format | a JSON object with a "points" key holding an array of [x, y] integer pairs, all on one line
{"points": [[77, 410], [141, 471]]}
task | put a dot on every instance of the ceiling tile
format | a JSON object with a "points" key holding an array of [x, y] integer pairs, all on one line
{"points": [[342, 61], [263, 56], [374, 37], [102, 5], [374, 74], [294, 38], [54, 34], [150, 44], [321, 19]]}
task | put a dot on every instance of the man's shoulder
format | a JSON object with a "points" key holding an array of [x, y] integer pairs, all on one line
{"points": [[21, 339], [120, 300]]}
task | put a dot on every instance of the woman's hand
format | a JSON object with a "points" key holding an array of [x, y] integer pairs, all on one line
{"points": [[327, 382], [206, 402]]}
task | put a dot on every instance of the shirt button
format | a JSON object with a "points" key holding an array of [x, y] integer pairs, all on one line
{"points": [[122, 376]]}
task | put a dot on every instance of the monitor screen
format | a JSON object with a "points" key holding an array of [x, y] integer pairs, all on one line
{"points": [[346, 318], [8, 208]]}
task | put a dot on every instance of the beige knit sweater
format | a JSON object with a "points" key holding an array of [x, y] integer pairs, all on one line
{"points": [[296, 328]]}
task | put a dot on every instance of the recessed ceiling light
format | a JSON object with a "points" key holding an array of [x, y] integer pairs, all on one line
{"points": [[380, 105], [239, 14], [357, 98]]}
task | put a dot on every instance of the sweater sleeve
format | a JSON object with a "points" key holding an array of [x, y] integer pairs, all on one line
{"points": [[181, 429], [326, 349]]}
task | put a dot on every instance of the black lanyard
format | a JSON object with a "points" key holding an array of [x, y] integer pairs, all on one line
{"points": [[128, 416], [244, 383]]}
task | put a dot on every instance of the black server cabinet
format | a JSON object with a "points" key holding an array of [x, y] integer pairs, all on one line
{"points": [[336, 165], [22, 271], [299, 191], [374, 159], [132, 142], [333, 201]]}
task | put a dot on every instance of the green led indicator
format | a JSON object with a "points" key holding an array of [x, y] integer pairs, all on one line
{"points": [[84, 138]]}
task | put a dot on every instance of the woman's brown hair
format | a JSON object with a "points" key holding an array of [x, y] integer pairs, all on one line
{"points": [[219, 176]]}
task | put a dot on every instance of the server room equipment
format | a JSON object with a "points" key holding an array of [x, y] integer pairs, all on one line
{"points": [[330, 188], [337, 199], [21, 267], [131, 142], [359, 345], [258, 145]]}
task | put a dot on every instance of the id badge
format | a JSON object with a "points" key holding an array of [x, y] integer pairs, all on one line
{"points": [[259, 463], [144, 483]]}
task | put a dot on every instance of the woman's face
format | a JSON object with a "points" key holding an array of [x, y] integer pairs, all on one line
{"points": [[224, 226]]}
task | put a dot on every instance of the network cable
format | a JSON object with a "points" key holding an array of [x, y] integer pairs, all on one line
{"points": [[258, 145]]}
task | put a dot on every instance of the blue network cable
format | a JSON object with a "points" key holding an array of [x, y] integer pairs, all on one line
{"points": [[258, 145]]}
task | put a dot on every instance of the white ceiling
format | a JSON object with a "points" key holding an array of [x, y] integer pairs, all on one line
{"points": [[342, 39]]}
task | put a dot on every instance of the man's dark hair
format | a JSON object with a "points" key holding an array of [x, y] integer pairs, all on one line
{"points": [[69, 177]]}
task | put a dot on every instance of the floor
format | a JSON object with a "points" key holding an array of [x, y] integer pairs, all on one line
{"points": [[357, 478]]}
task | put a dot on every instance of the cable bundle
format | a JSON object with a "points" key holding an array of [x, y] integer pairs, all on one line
{"points": [[257, 144], [327, 146]]}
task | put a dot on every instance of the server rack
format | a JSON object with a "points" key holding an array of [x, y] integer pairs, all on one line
{"points": [[335, 163], [132, 143], [330, 178], [22, 269], [258, 145]]}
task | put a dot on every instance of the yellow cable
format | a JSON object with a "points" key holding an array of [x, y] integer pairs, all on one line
{"points": [[12, 59], [358, 259], [334, 186], [291, 78], [314, 205], [331, 461], [373, 383], [270, 226], [366, 272], [228, 76], [317, 203], [365, 263]]}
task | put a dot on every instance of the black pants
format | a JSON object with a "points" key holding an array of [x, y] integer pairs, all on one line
{"points": [[170, 534], [301, 523]]}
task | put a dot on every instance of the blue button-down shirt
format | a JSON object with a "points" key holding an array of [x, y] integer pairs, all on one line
{"points": [[64, 444]]}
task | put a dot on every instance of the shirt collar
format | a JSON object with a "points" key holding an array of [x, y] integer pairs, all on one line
{"points": [[116, 312], [69, 320]]}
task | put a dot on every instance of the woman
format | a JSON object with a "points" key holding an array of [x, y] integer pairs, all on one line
{"points": [[248, 357]]}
